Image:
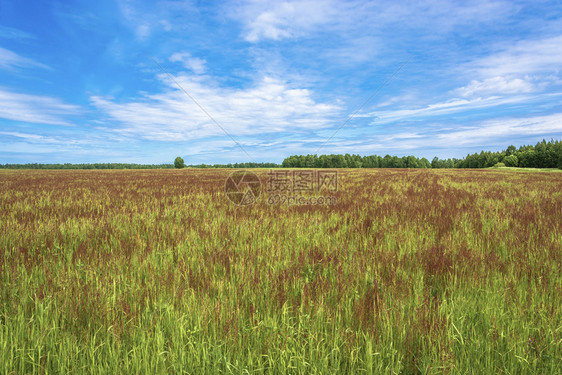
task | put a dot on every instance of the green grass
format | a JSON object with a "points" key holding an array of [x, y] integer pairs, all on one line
{"points": [[518, 169], [412, 271]]}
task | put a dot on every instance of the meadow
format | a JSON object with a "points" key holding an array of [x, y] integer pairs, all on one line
{"points": [[156, 271]]}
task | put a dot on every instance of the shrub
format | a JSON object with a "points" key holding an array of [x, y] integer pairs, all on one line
{"points": [[499, 165]]}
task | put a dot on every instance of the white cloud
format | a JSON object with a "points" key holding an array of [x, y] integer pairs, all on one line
{"points": [[11, 60], [434, 136], [147, 18], [269, 106], [194, 64], [537, 56], [284, 19], [138, 24], [515, 74], [495, 86], [504, 128], [441, 108], [516, 68], [37, 138], [35, 109], [142, 31], [276, 20]]}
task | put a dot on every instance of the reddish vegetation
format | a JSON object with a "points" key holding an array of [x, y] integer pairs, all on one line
{"points": [[107, 245]]}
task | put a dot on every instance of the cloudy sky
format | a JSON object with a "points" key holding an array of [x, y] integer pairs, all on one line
{"points": [[104, 81]]}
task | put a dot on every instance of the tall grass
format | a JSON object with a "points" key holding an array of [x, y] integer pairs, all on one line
{"points": [[412, 271]]}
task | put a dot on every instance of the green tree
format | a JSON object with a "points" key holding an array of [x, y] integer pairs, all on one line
{"points": [[397, 162], [179, 163], [527, 158], [435, 163], [511, 161], [386, 161], [424, 163], [411, 162]]}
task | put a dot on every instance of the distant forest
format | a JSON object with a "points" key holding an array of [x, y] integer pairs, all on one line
{"points": [[542, 155], [133, 166], [87, 166]]}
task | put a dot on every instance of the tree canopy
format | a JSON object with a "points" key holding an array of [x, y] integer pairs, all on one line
{"points": [[179, 163]]}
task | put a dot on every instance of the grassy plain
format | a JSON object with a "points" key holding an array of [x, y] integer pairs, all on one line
{"points": [[412, 271]]}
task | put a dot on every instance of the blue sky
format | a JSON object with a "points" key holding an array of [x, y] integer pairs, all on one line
{"points": [[78, 82]]}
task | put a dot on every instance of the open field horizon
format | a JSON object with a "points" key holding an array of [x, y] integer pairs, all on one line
{"points": [[156, 271]]}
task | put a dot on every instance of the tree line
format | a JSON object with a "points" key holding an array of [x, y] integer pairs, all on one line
{"points": [[179, 163], [135, 166], [237, 165], [543, 155], [354, 161], [86, 166]]}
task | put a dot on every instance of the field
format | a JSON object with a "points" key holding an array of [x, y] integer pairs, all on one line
{"points": [[411, 271]]}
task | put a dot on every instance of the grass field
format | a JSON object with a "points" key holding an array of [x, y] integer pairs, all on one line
{"points": [[411, 271], [556, 170]]}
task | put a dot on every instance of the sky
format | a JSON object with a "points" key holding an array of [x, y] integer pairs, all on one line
{"points": [[127, 81]]}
